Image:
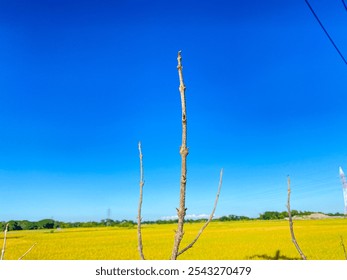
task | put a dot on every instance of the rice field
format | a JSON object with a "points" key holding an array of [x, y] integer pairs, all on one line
{"points": [[236, 240]]}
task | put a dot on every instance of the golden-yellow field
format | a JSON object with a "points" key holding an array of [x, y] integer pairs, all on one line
{"points": [[319, 240]]}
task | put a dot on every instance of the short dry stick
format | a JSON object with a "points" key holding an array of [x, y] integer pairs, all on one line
{"points": [[27, 251], [210, 218], [139, 218], [343, 247], [4, 244], [291, 224]]}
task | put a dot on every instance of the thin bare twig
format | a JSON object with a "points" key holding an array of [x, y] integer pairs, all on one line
{"points": [[181, 211], [343, 247], [291, 224], [4, 244], [210, 218], [27, 251], [139, 218]]}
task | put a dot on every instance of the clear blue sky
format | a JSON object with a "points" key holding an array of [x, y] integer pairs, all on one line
{"points": [[81, 82]]}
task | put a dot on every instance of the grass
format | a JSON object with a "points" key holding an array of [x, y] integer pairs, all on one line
{"points": [[319, 239]]}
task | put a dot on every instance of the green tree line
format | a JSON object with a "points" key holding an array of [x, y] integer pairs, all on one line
{"points": [[52, 224]]}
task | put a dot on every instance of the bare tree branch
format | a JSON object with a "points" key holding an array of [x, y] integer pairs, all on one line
{"points": [[210, 218], [139, 218], [181, 211], [291, 224], [4, 244], [27, 251]]}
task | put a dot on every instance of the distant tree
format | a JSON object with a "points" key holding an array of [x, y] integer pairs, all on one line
{"points": [[46, 224], [269, 215], [127, 224], [107, 222], [233, 218], [295, 213], [337, 214], [159, 222], [14, 225], [27, 225]]}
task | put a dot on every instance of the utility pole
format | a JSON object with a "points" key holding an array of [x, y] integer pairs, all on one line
{"points": [[108, 216], [344, 187]]}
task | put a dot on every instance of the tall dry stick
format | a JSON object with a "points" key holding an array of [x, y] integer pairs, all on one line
{"points": [[139, 218], [4, 244], [291, 224], [181, 211], [210, 218]]}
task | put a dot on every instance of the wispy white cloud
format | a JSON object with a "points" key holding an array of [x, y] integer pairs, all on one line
{"points": [[190, 216]]}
